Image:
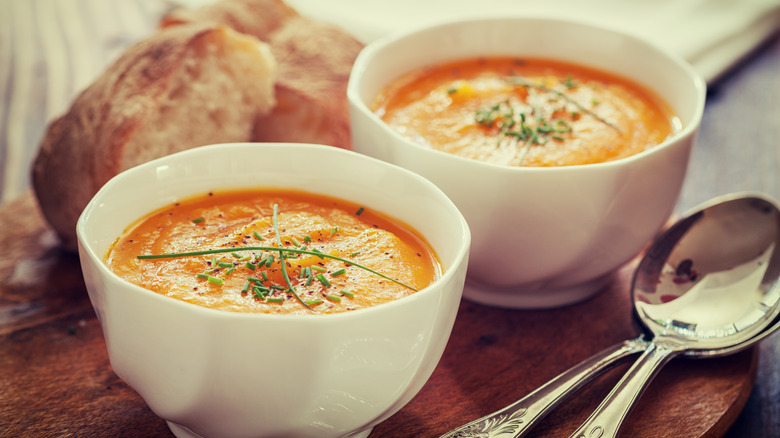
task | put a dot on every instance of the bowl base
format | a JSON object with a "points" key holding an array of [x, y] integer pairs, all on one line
{"points": [[184, 432], [181, 431], [541, 298]]}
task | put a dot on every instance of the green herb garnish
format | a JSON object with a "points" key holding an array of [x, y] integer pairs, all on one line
{"points": [[256, 284]]}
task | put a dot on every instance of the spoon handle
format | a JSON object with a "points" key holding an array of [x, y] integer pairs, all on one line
{"points": [[608, 417], [519, 417]]}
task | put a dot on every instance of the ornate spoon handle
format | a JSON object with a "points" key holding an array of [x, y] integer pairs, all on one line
{"points": [[606, 420], [519, 417]]}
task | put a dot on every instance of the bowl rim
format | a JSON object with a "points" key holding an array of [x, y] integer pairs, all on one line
{"points": [[87, 250], [370, 51]]}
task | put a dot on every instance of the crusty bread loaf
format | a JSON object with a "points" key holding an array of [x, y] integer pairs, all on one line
{"points": [[314, 58], [234, 70], [183, 87]]}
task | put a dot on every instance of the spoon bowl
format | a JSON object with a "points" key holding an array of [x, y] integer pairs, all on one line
{"points": [[707, 287]]}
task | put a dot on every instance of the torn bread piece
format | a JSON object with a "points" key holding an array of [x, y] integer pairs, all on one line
{"points": [[185, 86], [315, 60]]}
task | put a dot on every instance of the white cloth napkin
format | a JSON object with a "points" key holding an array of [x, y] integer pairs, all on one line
{"points": [[712, 35]]}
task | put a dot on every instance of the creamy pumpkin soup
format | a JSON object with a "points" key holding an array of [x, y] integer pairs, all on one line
{"points": [[272, 251], [525, 112]]}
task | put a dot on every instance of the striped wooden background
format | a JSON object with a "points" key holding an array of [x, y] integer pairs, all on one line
{"points": [[63, 44]]}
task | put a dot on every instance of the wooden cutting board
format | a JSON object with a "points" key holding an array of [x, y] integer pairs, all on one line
{"points": [[55, 378]]}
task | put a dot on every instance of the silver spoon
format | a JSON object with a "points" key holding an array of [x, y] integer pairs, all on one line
{"points": [[753, 228], [719, 268]]}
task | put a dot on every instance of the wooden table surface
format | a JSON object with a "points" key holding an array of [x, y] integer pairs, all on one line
{"points": [[55, 378]]}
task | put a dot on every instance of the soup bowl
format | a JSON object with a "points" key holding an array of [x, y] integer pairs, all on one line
{"points": [[212, 373], [541, 236]]}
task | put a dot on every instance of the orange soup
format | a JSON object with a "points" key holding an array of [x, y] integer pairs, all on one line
{"points": [[272, 251], [525, 112]]}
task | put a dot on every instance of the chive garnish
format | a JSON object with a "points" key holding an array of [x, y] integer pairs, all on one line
{"points": [[338, 272], [272, 248], [256, 284], [359, 211], [258, 236], [214, 280], [323, 280], [198, 220], [290, 286], [521, 82]]}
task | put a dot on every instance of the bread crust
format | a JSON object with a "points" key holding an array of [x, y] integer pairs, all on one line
{"points": [[100, 135], [259, 18], [315, 60]]}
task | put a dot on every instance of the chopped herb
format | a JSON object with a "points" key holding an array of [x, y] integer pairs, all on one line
{"points": [[338, 272], [323, 280], [333, 297], [258, 236], [290, 287], [251, 266], [212, 280], [359, 211], [313, 302], [198, 220], [348, 293], [318, 268], [275, 300], [264, 248]]}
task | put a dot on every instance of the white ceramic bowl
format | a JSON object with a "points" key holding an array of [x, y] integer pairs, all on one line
{"points": [[219, 374], [541, 237]]}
